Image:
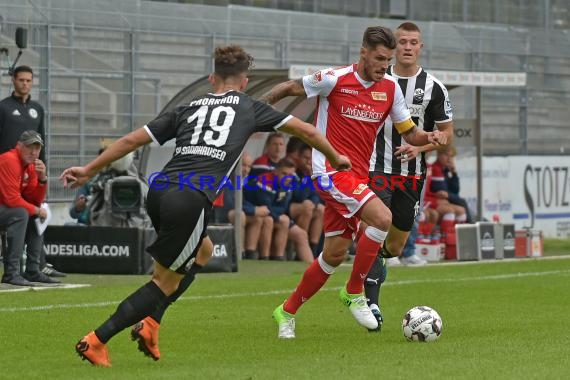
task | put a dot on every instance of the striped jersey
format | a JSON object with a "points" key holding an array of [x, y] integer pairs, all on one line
{"points": [[428, 102], [350, 111]]}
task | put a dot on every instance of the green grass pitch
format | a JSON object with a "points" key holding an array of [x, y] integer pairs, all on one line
{"points": [[501, 320]]}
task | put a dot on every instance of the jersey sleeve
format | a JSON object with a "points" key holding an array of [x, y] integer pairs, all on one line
{"points": [[267, 118], [319, 83], [399, 113], [440, 105], [163, 128]]}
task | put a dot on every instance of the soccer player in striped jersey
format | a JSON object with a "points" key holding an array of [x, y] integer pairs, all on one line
{"points": [[395, 161]]}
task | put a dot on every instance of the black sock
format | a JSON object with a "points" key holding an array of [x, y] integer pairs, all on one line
{"points": [[184, 284], [313, 247], [134, 308], [372, 282]]}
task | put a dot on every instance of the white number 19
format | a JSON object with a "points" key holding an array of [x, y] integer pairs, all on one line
{"points": [[223, 129]]}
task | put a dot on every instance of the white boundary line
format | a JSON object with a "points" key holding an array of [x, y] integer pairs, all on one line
{"points": [[11, 289], [286, 291], [435, 264]]}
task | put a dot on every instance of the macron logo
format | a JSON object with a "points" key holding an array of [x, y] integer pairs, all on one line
{"points": [[348, 91]]}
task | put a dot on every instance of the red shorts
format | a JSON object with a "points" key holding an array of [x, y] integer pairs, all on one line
{"points": [[344, 194]]}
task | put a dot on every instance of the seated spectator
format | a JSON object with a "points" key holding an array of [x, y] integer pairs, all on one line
{"points": [[436, 197], [22, 191], [274, 190], [306, 208], [273, 151], [256, 223], [293, 150], [445, 165]]}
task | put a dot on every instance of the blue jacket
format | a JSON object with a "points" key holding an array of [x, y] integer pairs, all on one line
{"points": [[267, 191]]}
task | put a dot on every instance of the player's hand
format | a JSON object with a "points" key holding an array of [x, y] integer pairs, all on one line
{"points": [[342, 163], [406, 152], [74, 177], [437, 138]]}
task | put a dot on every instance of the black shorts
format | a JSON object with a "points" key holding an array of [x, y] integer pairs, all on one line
{"points": [[180, 218], [401, 195]]}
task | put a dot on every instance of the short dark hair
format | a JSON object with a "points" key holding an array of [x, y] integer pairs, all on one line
{"points": [[22, 69], [231, 60], [294, 145], [285, 163], [409, 27], [273, 135], [378, 35]]}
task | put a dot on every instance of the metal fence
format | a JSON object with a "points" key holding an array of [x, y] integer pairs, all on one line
{"points": [[105, 67]]}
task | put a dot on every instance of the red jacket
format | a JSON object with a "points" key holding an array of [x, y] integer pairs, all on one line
{"points": [[19, 186]]}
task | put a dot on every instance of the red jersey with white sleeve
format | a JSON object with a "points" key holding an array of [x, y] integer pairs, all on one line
{"points": [[351, 111]]}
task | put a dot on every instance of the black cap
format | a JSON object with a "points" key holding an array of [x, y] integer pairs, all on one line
{"points": [[31, 137]]}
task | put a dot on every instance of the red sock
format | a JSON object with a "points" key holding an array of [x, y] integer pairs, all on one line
{"points": [[313, 279], [366, 252]]}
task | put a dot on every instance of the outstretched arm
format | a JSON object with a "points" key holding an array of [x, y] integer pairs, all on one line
{"points": [[309, 134], [419, 137], [78, 175], [282, 90]]}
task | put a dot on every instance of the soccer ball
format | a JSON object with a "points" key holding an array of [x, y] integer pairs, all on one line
{"points": [[422, 324]]}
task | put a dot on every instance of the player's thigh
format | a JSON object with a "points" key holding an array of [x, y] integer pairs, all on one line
{"points": [[380, 185], [405, 208], [183, 217]]}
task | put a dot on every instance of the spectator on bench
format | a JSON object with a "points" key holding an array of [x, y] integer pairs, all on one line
{"points": [[306, 208], [256, 223], [274, 190], [445, 166], [273, 151]]}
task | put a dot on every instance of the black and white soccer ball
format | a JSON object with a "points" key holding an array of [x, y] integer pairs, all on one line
{"points": [[422, 324]]}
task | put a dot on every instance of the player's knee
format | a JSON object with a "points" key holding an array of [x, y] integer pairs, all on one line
{"points": [[382, 221]]}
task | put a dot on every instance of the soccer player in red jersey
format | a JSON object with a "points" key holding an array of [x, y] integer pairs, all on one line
{"points": [[352, 104]]}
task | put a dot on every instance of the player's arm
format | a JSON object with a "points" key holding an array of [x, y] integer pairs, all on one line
{"points": [[309, 134], [78, 175], [282, 90], [409, 152]]}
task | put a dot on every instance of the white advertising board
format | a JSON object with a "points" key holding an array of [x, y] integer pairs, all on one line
{"points": [[529, 191]]}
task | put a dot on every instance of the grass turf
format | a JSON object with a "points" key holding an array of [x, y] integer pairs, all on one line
{"points": [[500, 320]]}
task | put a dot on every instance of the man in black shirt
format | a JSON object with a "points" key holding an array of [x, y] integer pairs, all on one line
{"points": [[211, 132], [19, 113]]}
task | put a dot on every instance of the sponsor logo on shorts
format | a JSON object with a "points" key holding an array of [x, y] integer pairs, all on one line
{"points": [[360, 189]]}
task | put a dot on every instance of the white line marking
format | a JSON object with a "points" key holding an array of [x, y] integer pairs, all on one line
{"points": [[287, 291], [4, 288]]}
